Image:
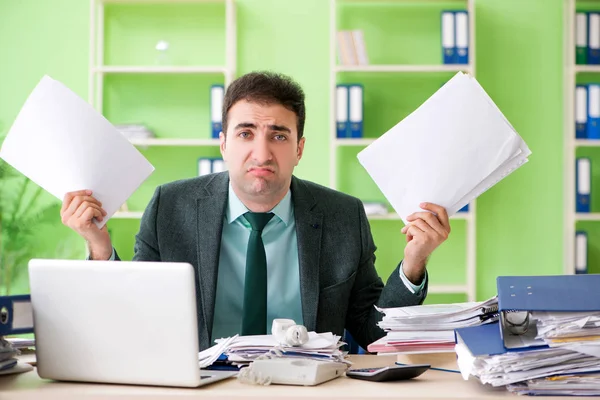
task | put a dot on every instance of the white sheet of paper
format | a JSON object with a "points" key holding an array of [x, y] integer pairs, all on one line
{"points": [[62, 144], [450, 150]]}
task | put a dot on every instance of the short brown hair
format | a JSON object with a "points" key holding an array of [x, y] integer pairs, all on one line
{"points": [[268, 88]]}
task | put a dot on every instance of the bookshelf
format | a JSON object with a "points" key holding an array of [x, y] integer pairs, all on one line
{"points": [[387, 23], [132, 81], [578, 74]]}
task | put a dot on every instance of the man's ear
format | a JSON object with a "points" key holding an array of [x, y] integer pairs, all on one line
{"points": [[222, 144]]}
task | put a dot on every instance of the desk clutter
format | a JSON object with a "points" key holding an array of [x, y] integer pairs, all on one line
{"points": [[290, 355], [429, 328]]}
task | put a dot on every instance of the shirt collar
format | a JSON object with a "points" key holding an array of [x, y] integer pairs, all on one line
{"points": [[235, 208]]}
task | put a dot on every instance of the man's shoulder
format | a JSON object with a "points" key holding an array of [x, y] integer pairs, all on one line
{"points": [[327, 196], [197, 186]]}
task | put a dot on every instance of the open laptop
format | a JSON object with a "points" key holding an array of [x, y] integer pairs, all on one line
{"points": [[117, 322]]}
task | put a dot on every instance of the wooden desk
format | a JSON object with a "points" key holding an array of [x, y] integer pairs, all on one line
{"points": [[431, 385]]}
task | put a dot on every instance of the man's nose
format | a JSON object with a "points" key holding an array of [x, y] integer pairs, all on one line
{"points": [[261, 151]]}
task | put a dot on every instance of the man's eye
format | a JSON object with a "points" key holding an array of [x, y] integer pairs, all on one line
{"points": [[280, 137], [244, 134]]}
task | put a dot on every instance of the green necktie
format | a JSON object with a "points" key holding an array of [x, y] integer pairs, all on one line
{"points": [[254, 320]]}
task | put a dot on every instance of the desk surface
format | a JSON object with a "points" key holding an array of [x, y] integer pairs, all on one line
{"points": [[431, 385]]}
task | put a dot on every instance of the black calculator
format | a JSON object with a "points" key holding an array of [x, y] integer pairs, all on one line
{"points": [[391, 373]]}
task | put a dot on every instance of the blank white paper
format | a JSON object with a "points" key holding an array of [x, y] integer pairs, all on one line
{"points": [[450, 150], [62, 144]]}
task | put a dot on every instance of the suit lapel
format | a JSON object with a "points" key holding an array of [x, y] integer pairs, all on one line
{"points": [[210, 208], [309, 227]]}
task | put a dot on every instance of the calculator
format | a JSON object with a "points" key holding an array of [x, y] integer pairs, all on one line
{"points": [[391, 373]]}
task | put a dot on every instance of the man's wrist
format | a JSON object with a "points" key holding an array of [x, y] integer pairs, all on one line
{"points": [[414, 271]]}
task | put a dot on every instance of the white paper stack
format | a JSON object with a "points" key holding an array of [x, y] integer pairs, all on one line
{"points": [[241, 350], [430, 328], [9, 364], [450, 150]]}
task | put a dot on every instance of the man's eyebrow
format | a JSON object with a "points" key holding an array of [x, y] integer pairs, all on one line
{"points": [[280, 128], [245, 125]]}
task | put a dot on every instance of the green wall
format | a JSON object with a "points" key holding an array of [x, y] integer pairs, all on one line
{"points": [[519, 63]]}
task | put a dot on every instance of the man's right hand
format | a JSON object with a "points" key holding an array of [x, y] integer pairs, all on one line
{"points": [[78, 212]]}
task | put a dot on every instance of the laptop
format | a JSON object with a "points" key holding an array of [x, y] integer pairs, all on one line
{"points": [[117, 322]]}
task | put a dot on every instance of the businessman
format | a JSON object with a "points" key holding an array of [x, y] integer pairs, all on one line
{"points": [[264, 243]]}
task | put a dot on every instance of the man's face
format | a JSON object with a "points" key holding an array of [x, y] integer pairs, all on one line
{"points": [[261, 148]]}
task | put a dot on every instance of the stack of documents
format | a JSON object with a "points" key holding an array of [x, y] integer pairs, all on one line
{"points": [[454, 147], [481, 353], [430, 328], [242, 350], [8, 359]]}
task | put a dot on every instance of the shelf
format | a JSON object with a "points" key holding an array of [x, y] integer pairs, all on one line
{"points": [[587, 143], [158, 1], [393, 216], [587, 216], [141, 69], [587, 68], [447, 289], [354, 142], [175, 142], [127, 215], [404, 68]]}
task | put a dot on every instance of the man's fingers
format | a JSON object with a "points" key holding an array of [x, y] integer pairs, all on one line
{"points": [[83, 208], [432, 220], [77, 201], [90, 213], [440, 211], [71, 195]]}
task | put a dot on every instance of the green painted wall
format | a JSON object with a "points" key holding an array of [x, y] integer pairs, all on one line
{"points": [[519, 63]]}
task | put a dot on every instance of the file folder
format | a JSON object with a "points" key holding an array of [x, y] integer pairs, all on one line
{"points": [[581, 248], [462, 37], [355, 97], [448, 38], [555, 293], [581, 94], [593, 38], [16, 315], [217, 92], [481, 340], [465, 208], [583, 171], [341, 111], [581, 33], [593, 120]]}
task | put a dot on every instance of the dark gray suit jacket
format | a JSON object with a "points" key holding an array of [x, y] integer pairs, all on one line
{"points": [[338, 282]]}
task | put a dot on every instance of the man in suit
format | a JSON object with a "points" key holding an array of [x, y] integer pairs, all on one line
{"points": [[264, 243]]}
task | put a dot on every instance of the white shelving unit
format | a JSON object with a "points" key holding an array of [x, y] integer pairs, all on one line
{"points": [[469, 288], [97, 69], [571, 69]]}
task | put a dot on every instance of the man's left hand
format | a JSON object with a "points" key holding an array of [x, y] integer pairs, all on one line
{"points": [[425, 231]]}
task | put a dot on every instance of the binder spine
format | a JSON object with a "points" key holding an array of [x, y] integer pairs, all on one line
{"points": [[448, 37], [593, 117], [217, 92], [581, 248], [581, 95], [15, 315], [581, 32], [583, 182], [462, 37], [341, 113], [593, 38], [356, 110]]}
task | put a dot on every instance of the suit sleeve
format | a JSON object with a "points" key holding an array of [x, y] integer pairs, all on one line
{"points": [[146, 241], [368, 291]]}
